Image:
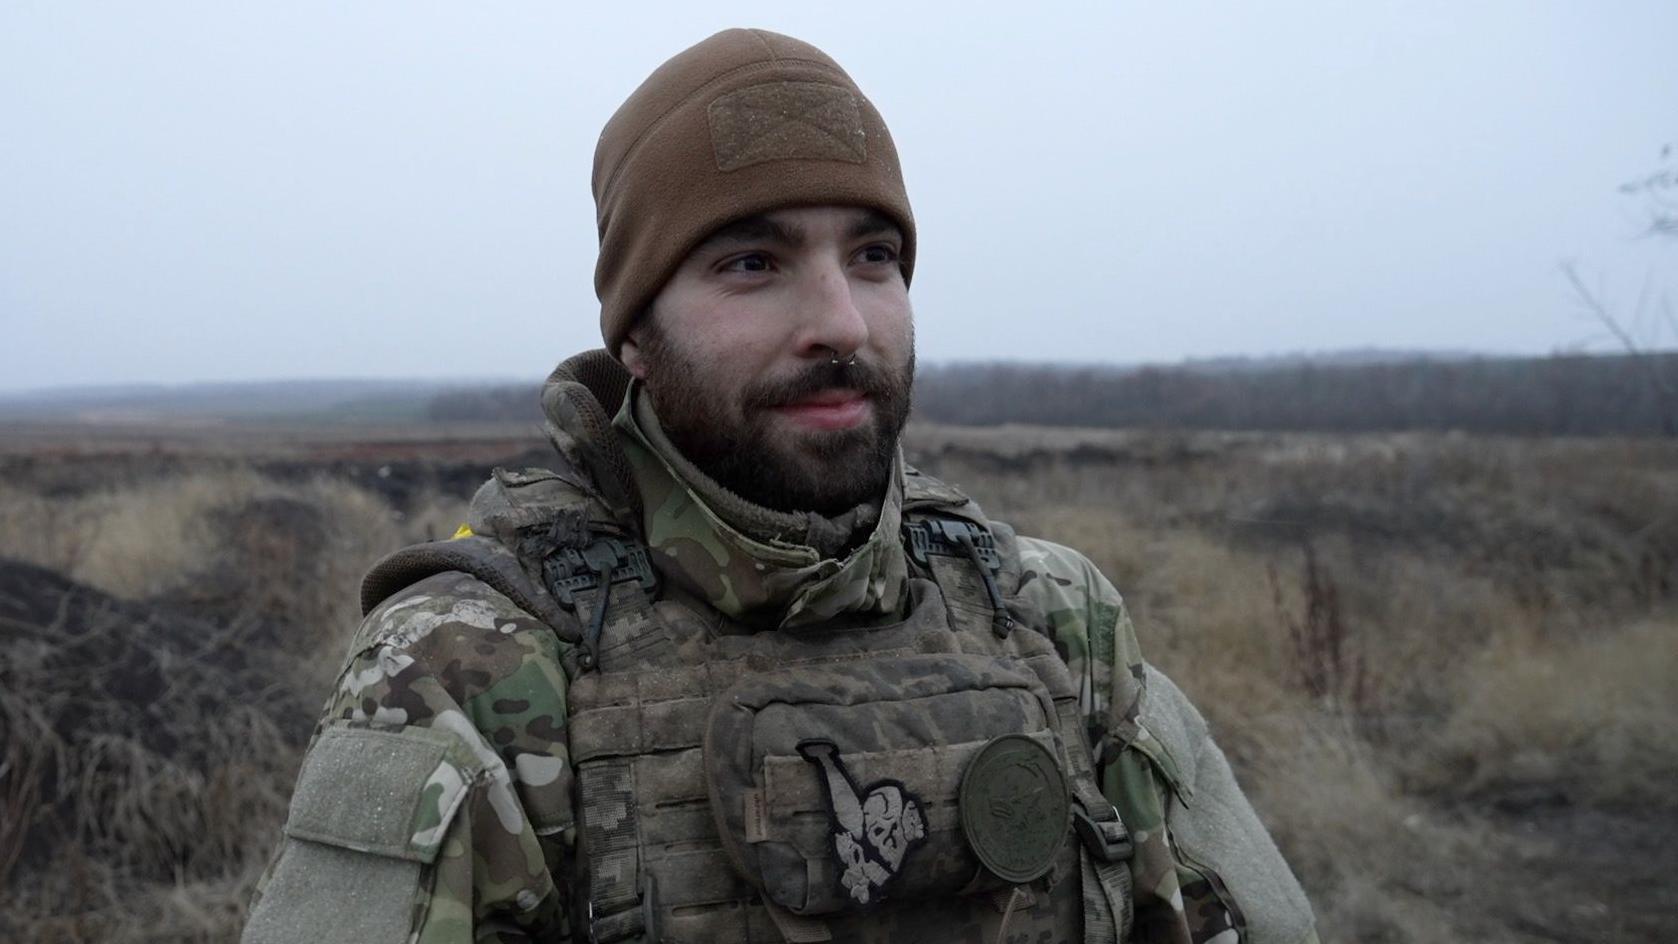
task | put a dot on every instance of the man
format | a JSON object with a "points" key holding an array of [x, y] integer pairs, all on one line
{"points": [[730, 670]]}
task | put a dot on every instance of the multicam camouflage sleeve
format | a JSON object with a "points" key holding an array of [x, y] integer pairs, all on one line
{"points": [[1205, 868], [453, 682]]}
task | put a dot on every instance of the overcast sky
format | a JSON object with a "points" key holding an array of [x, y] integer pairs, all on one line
{"points": [[225, 191]]}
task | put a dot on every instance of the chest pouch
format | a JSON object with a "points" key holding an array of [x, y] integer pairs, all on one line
{"points": [[837, 785]]}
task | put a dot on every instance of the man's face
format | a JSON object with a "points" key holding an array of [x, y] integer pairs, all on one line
{"points": [[747, 355]]}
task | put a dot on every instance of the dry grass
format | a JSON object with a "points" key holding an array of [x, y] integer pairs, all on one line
{"points": [[151, 714], [159, 759], [1593, 717], [1441, 665]]}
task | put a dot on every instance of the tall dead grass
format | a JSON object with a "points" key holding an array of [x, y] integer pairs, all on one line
{"points": [[151, 713], [1592, 718]]}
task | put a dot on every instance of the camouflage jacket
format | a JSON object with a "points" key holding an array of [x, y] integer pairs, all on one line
{"points": [[462, 828]]}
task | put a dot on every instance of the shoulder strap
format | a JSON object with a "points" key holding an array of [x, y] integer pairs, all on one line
{"points": [[922, 492], [547, 541], [949, 538], [484, 558]]}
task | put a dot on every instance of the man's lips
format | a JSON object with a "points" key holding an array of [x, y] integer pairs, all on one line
{"points": [[828, 409]]}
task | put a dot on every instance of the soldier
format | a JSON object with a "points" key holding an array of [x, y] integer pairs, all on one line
{"points": [[730, 669]]}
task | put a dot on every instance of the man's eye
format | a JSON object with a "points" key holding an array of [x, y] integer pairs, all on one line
{"points": [[751, 262], [877, 254]]}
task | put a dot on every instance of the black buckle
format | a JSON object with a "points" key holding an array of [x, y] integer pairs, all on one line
{"points": [[601, 564], [1106, 840], [571, 571], [954, 537], [944, 536]]}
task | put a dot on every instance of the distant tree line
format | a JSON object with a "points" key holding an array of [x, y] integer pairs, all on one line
{"points": [[1578, 395], [1561, 395]]}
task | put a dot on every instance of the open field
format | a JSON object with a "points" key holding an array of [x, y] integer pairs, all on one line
{"points": [[1441, 664]]}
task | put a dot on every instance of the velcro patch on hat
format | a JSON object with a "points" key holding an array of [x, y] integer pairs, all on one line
{"points": [[779, 121]]}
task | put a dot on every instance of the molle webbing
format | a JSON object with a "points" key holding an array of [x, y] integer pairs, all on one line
{"points": [[639, 723], [612, 835]]}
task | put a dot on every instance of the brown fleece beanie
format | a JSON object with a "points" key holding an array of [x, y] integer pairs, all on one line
{"points": [[745, 122]]}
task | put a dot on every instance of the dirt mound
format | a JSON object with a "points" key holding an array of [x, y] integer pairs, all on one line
{"points": [[125, 728], [266, 549], [405, 481]]}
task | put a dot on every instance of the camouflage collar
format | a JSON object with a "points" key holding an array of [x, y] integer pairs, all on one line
{"points": [[752, 563]]}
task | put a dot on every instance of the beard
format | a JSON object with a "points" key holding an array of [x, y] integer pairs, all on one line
{"points": [[739, 445]]}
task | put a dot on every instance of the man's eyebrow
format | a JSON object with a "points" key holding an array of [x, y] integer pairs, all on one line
{"points": [[755, 229], [873, 223]]}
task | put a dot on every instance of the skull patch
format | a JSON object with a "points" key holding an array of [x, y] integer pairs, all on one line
{"points": [[873, 830]]}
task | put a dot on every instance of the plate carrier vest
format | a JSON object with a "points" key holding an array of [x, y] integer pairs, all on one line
{"points": [[796, 785]]}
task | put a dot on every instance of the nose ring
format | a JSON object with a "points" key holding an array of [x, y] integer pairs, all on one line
{"points": [[836, 362]]}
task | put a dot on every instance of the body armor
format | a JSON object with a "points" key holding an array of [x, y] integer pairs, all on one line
{"points": [[921, 778]]}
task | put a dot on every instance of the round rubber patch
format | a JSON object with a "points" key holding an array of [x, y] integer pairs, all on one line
{"points": [[1015, 808]]}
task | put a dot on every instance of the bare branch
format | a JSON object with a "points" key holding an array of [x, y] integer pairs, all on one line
{"points": [[1597, 310], [1664, 387]]}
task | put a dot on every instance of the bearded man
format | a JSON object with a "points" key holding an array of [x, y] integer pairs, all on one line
{"points": [[731, 670]]}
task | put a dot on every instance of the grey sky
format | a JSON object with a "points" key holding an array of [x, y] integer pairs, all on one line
{"points": [[239, 191]]}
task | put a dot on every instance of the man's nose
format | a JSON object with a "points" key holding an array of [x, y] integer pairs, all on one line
{"points": [[833, 324]]}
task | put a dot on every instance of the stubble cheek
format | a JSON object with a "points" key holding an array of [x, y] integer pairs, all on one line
{"points": [[894, 324]]}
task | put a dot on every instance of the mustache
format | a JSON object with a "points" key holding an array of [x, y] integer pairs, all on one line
{"points": [[864, 377]]}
